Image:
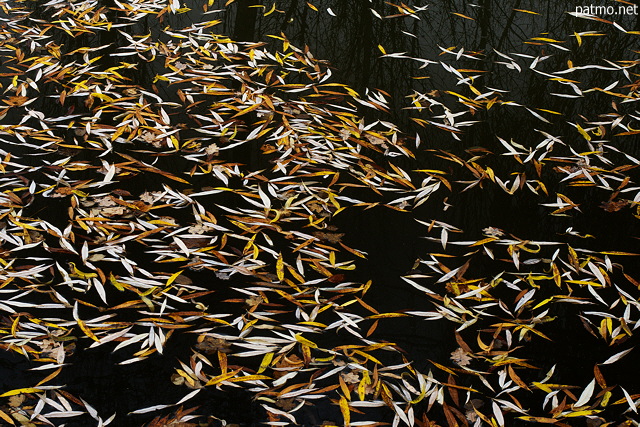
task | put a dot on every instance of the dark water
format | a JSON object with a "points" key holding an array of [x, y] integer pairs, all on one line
{"points": [[349, 42]]}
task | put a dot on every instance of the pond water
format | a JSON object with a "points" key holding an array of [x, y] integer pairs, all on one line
{"points": [[322, 213]]}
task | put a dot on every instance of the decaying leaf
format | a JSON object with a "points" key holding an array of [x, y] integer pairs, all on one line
{"points": [[212, 345], [460, 357]]}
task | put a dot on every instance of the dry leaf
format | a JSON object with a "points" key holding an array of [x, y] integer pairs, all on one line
{"points": [[375, 140], [150, 197], [212, 150], [329, 237], [212, 345], [199, 228], [114, 211], [105, 201], [492, 231], [460, 357], [351, 377], [614, 206], [17, 400], [254, 300], [286, 404]]}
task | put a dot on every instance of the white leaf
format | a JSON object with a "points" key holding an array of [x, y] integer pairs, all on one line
{"points": [[265, 199], [100, 289], [632, 405], [448, 276], [616, 357], [189, 396], [498, 413], [84, 253], [111, 171], [596, 271], [444, 237], [90, 409], [165, 116], [149, 409], [586, 394]]}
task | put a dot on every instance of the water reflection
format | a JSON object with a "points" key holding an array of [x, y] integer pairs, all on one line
{"points": [[430, 72]]}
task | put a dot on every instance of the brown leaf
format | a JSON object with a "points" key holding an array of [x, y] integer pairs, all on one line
{"points": [[492, 231], [114, 211], [212, 345], [315, 206], [15, 101], [105, 201], [460, 357], [351, 377], [212, 150], [614, 206], [286, 404], [17, 400], [286, 365], [254, 300], [599, 378], [329, 237], [150, 197], [199, 229], [375, 140]]}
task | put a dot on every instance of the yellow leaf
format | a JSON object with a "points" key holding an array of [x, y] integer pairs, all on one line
{"points": [[249, 378], [483, 241], [344, 408], [50, 376], [542, 387], [280, 268], [386, 315], [444, 368], [115, 282], [305, 341], [102, 97], [266, 361], [21, 225], [543, 303], [7, 418], [273, 8], [21, 391], [173, 277], [223, 377], [556, 274], [118, 132], [584, 133], [368, 356], [463, 16], [80, 274], [87, 331], [526, 11], [14, 326], [543, 420], [618, 253], [545, 39], [175, 142], [583, 413], [549, 111]]}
